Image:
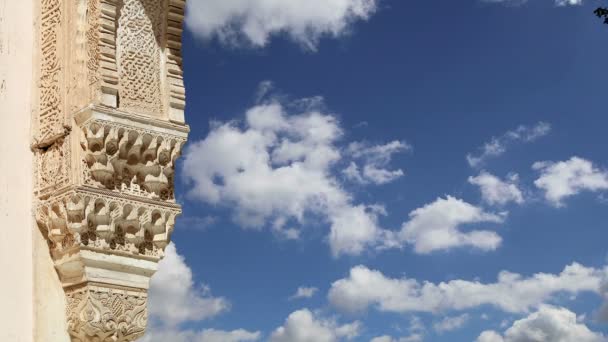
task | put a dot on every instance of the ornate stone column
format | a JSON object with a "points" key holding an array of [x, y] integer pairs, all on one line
{"points": [[110, 126]]}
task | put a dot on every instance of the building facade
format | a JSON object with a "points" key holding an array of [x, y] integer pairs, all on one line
{"points": [[92, 117]]}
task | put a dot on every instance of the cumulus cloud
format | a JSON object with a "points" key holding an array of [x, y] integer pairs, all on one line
{"points": [[173, 296], [173, 299], [374, 160], [435, 226], [451, 323], [549, 323], [304, 326], [253, 22], [416, 332], [512, 292], [495, 191], [208, 335], [499, 145], [568, 2], [411, 338], [521, 2], [304, 292], [489, 336], [563, 179], [277, 169]]}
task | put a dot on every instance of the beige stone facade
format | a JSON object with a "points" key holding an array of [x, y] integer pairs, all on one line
{"points": [[92, 102]]}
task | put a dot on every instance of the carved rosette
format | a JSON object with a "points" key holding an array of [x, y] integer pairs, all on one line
{"points": [[110, 127]]}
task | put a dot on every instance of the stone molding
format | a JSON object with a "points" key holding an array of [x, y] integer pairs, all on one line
{"points": [[109, 127], [175, 74]]}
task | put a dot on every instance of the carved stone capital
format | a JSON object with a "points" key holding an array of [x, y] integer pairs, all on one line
{"points": [[101, 222], [104, 314], [130, 158]]}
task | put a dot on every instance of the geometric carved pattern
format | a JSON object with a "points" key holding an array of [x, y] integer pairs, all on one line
{"points": [[87, 220], [50, 114], [52, 167], [93, 44], [140, 30], [130, 160], [106, 315]]}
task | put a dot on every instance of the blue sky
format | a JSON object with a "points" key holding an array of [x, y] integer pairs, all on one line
{"points": [[328, 151]]}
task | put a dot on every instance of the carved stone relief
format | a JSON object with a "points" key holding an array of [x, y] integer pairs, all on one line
{"points": [[109, 130], [106, 315], [52, 167], [92, 38], [139, 39], [130, 160], [50, 115], [125, 226]]}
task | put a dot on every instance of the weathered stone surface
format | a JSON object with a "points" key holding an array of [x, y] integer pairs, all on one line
{"points": [[109, 127], [16, 185]]}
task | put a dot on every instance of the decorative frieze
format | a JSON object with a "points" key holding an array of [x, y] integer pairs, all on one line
{"points": [[51, 117], [121, 225]]}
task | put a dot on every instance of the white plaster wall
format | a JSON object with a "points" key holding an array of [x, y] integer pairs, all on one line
{"points": [[16, 287], [49, 298], [32, 303]]}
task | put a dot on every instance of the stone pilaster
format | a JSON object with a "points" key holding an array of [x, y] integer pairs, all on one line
{"points": [[109, 129]]}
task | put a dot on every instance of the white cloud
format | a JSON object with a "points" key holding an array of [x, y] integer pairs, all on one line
{"points": [[411, 338], [489, 336], [212, 335], [451, 323], [436, 227], [277, 169], [495, 191], [174, 300], [207, 335], [375, 159], [567, 178], [549, 323], [303, 326], [173, 297], [568, 2], [521, 2], [511, 292], [499, 145], [254, 21], [304, 292]]}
